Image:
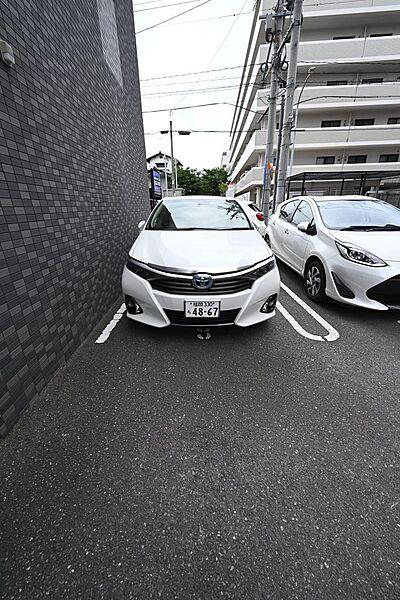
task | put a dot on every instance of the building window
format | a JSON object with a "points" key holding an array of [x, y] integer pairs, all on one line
{"points": [[393, 121], [361, 122], [109, 37], [325, 160], [337, 82], [357, 158], [388, 158], [344, 37], [380, 34], [372, 80], [331, 123]]}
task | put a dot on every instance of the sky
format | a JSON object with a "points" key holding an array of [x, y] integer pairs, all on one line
{"points": [[195, 41]]}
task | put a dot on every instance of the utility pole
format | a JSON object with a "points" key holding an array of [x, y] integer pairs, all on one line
{"points": [[276, 30], [290, 89], [171, 137], [278, 152], [166, 174]]}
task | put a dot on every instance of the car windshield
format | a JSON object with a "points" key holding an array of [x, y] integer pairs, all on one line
{"points": [[359, 215], [200, 213]]}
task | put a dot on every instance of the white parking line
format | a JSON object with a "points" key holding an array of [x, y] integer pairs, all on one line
{"points": [[332, 335], [105, 334]]}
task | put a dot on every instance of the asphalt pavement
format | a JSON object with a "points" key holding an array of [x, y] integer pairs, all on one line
{"points": [[262, 463]]}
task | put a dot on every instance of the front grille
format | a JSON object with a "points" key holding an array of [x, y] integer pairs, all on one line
{"points": [[226, 317], [184, 287], [387, 293], [179, 286]]}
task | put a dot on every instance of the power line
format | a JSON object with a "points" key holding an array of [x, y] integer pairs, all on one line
{"points": [[198, 72], [152, 85], [174, 17], [318, 83], [248, 12], [158, 110], [210, 62], [166, 6], [147, 2], [191, 92]]}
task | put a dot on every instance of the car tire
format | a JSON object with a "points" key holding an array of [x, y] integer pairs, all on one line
{"points": [[315, 281]]}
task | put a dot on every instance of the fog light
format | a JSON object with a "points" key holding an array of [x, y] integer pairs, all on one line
{"points": [[269, 305], [132, 306]]}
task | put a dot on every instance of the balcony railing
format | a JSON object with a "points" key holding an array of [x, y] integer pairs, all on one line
{"points": [[327, 5], [327, 137], [251, 179], [343, 96], [366, 50]]}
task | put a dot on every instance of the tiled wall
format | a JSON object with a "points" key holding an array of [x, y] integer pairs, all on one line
{"points": [[72, 181]]}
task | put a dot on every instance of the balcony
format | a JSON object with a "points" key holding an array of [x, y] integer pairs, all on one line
{"points": [[250, 180], [351, 5], [254, 148], [326, 138], [361, 167], [241, 137], [364, 53], [323, 98]]}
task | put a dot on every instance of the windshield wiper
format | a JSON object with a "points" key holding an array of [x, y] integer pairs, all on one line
{"points": [[388, 227]]}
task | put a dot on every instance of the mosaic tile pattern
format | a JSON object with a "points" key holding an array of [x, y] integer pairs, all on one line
{"points": [[72, 185]]}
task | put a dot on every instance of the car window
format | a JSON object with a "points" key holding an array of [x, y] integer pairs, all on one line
{"points": [[303, 213], [287, 210], [198, 213], [359, 214], [254, 207]]}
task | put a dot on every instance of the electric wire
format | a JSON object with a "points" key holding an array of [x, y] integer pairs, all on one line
{"points": [[220, 46], [173, 17], [165, 6]]}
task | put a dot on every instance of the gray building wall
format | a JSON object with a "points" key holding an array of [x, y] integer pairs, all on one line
{"points": [[72, 182]]}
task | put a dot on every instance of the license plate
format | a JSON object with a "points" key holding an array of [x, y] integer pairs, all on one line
{"points": [[202, 309]]}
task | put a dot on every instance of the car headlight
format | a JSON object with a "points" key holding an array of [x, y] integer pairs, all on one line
{"points": [[359, 256]]}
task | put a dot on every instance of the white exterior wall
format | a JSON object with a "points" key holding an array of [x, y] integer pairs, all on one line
{"points": [[350, 60]]}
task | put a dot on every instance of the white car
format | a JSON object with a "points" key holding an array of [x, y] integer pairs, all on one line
{"points": [[199, 261], [255, 215], [345, 247]]}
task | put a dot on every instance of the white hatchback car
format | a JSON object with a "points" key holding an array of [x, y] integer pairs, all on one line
{"points": [[255, 215], [199, 261], [345, 247]]}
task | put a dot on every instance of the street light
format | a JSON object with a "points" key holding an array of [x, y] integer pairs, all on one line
{"points": [[171, 137], [310, 70]]}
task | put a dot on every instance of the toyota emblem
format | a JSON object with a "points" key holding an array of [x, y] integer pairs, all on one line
{"points": [[202, 281]]}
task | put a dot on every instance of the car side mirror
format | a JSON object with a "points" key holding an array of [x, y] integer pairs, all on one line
{"points": [[304, 226], [141, 225]]}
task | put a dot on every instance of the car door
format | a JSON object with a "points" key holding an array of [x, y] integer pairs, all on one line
{"points": [[279, 230], [259, 225], [297, 241]]}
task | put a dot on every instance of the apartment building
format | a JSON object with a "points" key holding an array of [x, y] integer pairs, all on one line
{"points": [[349, 109]]}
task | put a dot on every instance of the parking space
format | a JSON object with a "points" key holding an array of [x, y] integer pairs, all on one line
{"points": [[261, 463]]}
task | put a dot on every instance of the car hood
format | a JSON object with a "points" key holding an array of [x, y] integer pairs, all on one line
{"points": [[384, 244], [201, 251]]}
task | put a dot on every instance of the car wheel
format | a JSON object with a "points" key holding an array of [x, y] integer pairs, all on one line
{"points": [[315, 281]]}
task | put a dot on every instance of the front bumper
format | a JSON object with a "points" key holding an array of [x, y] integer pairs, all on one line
{"points": [[377, 288], [161, 309]]}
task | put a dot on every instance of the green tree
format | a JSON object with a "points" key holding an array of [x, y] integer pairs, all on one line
{"points": [[189, 180], [214, 181]]}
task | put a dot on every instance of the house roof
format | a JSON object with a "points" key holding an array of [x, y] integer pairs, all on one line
{"points": [[161, 155]]}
